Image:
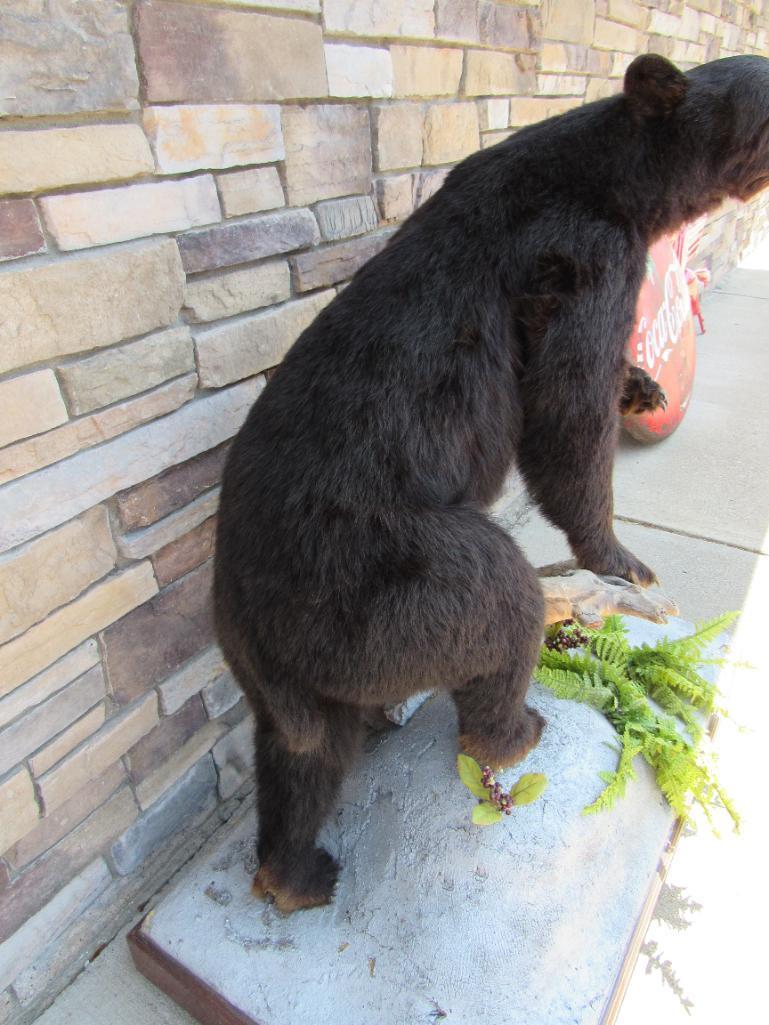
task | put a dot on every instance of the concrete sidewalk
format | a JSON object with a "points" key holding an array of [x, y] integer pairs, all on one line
{"points": [[696, 508]]}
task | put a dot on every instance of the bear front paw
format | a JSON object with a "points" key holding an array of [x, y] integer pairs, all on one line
{"points": [[641, 394]]}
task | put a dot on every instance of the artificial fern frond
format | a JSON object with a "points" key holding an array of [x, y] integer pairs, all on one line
{"points": [[648, 693], [613, 625], [693, 644], [612, 648], [574, 686], [616, 782], [671, 703]]}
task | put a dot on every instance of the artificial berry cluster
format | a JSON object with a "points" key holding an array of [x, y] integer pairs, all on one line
{"points": [[497, 796], [569, 636]]}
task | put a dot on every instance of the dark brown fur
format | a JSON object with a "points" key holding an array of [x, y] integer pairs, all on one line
{"points": [[355, 560]]}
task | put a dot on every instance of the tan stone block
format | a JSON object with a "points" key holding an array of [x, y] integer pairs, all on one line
{"points": [[627, 11], [450, 132], [237, 291], [151, 539], [328, 152], [412, 18], [395, 197], [620, 63], [570, 21], [67, 817], [600, 88], [41, 724], [426, 70], [31, 404], [86, 302], [95, 756], [51, 158], [250, 192], [26, 457], [182, 759], [530, 109], [36, 503], [230, 352], [68, 740], [488, 73], [358, 70], [306, 6], [36, 578], [193, 54], [611, 36], [188, 138], [493, 138], [688, 53], [49, 682], [398, 135], [22, 658], [663, 24], [18, 808], [117, 373], [561, 85], [493, 115], [427, 183], [571, 57], [80, 219]]}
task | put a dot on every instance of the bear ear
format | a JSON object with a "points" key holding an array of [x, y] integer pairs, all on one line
{"points": [[653, 86]]}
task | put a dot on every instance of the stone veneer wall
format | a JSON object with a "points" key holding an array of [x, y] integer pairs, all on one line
{"points": [[187, 184]]}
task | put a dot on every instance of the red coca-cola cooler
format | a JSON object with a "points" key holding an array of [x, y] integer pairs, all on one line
{"points": [[663, 339]]}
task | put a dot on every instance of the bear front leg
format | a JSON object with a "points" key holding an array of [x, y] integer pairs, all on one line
{"points": [[641, 393], [571, 392]]}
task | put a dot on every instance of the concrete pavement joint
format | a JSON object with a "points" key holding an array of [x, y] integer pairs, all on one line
{"points": [[686, 533]]}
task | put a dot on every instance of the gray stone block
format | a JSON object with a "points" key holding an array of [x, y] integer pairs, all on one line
{"points": [[66, 57], [234, 757], [227, 244], [189, 800], [221, 695], [342, 218]]}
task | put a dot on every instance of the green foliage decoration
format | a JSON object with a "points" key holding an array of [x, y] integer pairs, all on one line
{"points": [[493, 801], [655, 698]]}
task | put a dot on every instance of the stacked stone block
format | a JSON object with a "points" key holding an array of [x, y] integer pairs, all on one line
{"points": [[184, 184]]}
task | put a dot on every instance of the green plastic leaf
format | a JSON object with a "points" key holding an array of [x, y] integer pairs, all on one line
{"points": [[528, 788], [486, 814], [470, 773]]}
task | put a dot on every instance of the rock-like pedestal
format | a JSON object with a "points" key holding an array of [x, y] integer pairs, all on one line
{"points": [[526, 922]]}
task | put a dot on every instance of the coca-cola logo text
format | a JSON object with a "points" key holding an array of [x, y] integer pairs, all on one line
{"points": [[658, 338]]}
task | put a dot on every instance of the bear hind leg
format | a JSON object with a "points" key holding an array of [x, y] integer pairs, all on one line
{"points": [[496, 727], [295, 792]]}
